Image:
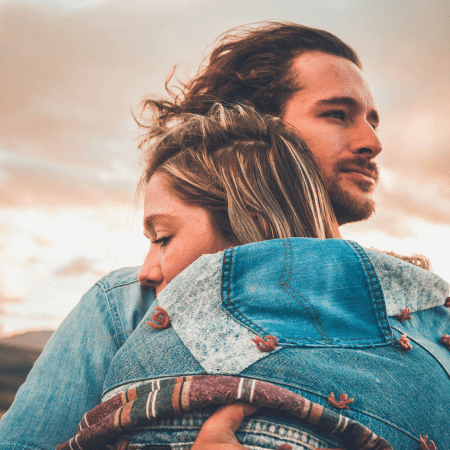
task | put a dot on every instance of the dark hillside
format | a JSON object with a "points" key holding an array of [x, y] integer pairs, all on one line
{"points": [[17, 356]]}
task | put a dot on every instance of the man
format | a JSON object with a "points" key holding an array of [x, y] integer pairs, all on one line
{"points": [[310, 79], [313, 81]]}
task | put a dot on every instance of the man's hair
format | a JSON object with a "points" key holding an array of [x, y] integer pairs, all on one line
{"points": [[257, 179], [250, 65]]}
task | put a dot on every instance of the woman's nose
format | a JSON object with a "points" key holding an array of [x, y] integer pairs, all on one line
{"points": [[150, 274]]}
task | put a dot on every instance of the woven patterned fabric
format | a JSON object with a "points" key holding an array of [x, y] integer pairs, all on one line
{"points": [[139, 406]]}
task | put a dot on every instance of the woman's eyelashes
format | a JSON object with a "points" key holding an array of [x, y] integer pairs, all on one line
{"points": [[163, 241]]}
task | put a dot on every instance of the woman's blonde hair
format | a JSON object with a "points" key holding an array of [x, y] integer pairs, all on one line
{"points": [[257, 179]]}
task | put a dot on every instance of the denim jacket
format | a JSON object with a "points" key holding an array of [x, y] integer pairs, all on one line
{"points": [[331, 304]]}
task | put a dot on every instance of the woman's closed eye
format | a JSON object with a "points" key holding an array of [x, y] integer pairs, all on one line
{"points": [[162, 240]]}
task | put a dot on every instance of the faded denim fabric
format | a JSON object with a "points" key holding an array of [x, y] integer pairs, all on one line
{"points": [[306, 292], [216, 306], [317, 302], [406, 286], [262, 432], [203, 325], [73, 366]]}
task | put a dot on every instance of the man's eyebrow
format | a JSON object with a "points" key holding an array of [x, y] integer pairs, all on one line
{"points": [[349, 101]]}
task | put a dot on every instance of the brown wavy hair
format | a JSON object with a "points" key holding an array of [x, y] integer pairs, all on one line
{"points": [[250, 65], [256, 178]]}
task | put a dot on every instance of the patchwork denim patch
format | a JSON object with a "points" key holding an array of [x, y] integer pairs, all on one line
{"points": [[306, 292]]}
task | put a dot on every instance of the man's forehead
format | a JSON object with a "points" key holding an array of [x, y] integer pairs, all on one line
{"points": [[322, 76]]}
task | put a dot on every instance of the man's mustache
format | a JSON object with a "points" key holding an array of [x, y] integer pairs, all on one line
{"points": [[360, 165]]}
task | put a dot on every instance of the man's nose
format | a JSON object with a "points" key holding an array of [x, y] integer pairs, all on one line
{"points": [[150, 274], [366, 142]]}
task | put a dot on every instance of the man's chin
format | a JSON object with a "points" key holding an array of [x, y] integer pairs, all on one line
{"points": [[351, 207]]}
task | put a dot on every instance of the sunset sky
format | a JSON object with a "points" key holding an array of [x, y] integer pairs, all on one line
{"points": [[72, 72]]}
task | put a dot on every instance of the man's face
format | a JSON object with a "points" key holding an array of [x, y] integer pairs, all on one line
{"points": [[335, 113]]}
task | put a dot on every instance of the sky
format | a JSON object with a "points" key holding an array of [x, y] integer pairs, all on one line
{"points": [[73, 72]]}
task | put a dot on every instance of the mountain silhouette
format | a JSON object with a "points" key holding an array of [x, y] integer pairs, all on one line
{"points": [[17, 356]]}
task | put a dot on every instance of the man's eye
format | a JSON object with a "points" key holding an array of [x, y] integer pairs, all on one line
{"points": [[336, 114], [163, 240]]}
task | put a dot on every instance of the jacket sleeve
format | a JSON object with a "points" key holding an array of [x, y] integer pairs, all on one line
{"points": [[66, 380]]}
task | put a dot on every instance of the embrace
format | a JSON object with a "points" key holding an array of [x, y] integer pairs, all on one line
{"points": [[252, 324]]}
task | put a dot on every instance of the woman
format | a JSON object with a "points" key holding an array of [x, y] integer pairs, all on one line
{"points": [[294, 289]]}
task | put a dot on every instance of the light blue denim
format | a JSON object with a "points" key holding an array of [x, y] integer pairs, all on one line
{"points": [[331, 304]]}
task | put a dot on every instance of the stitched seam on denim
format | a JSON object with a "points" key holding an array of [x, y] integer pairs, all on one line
{"points": [[312, 307], [368, 339], [380, 290], [247, 321], [254, 426], [243, 319], [287, 283], [309, 314], [425, 349], [291, 265], [316, 314], [285, 259], [383, 325], [15, 446], [281, 431], [114, 286], [281, 283], [385, 321], [115, 319], [251, 425]]}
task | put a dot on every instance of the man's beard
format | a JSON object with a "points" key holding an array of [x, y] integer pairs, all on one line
{"points": [[349, 208]]}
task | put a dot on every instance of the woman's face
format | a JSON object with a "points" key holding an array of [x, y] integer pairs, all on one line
{"points": [[179, 234]]}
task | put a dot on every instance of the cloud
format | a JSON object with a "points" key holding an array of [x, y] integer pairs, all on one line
{"points": [[8, 300], [417, 145], [400, 202], [29, 181], [77, 267], [72, 77], [410, 196], [66, 4]]}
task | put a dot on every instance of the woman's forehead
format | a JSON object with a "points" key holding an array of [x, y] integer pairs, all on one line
{"points": [[162, 204], [158, 191]]}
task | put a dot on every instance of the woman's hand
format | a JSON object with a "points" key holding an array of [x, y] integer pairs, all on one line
{"points": [[217, 432]]}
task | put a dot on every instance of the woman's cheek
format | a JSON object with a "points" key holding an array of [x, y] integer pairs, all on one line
{"points": [[173, 264]]}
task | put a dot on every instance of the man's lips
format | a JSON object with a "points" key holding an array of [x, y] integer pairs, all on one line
{"points": [[370, 176]]}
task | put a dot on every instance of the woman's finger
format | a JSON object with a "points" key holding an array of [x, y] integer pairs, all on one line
{"points": [[217, 432]]}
